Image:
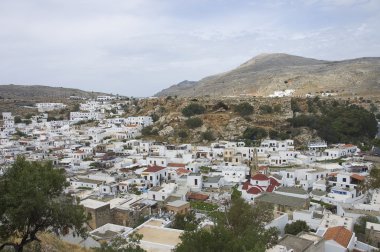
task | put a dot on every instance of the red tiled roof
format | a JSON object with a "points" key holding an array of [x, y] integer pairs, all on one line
{"points": [[333, 174], [260, 177], [154, 168], [246, 184], [273, 182], [197, 196], [176, 165], [182, 170], [339, 234], [271, 188], [254, 190], [358, 177]]}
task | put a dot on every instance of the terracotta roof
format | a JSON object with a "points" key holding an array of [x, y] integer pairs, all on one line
{"points": [[348, 145], [197, 196], [358, 177], [154, 168], [246, 184], [273, 182], [254, 190], [182, 170], [262, 168], [176, 165], [333, 174], [339, 234], [260, 177]]}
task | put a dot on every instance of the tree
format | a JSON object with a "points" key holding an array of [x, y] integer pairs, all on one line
{"points": [[277, 108], [240, 228], [220, 105], [32, 201], [361, 222], [17, 119], [373, 181], [296, 227], [121, 244], [254, 133], [244, 109], [208, 136], [194, 122], [187, 221], [193, 109]]}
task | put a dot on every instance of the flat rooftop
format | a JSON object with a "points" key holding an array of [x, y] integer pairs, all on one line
{"points": [[93, 204], [159, 235]]}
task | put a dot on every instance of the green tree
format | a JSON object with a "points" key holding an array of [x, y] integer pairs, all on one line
{"points": [[17, 119], [193, 109], [296, 227], [254, 133], [32, 201], [121, 244], [194, 122], [361, 222], [187, 221], [240, 228], [373, 180], [208, 136], [244, 109]]}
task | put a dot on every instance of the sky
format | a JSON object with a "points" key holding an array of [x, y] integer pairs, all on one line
{"points": [[138, 47]]}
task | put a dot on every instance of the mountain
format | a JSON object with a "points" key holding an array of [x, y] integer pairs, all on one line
{"points": [[266, 73], [42, 92]]}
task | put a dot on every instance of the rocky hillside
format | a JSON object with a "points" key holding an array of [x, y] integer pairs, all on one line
{"points": [[266, 73], [45, 92]]}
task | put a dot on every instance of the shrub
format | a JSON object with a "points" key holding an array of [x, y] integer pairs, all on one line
{"points": [[296, 227], [182, 134], [208, 136], [193, 109], [277, 108], [254, 133], [220, 105], [194, 122], [244, 109], [266, 109]]}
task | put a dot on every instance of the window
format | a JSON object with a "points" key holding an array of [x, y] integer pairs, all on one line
{"points": [[150, 178], [163, 197], [344, 179], [195, 181]]}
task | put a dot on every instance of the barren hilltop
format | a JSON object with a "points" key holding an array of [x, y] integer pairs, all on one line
{"points": [[267, 73]]}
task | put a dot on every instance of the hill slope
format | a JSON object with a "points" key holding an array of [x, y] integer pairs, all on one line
{"points": [[267, 73], [37, 92]]}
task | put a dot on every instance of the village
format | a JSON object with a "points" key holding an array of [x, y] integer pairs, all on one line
{"points": [[129, 184]]}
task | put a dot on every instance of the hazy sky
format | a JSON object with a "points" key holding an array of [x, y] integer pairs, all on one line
{"points": [[138, 47]]}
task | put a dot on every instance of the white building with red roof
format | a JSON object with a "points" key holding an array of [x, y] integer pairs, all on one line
{"points": [[257, 184], [154, 175]]}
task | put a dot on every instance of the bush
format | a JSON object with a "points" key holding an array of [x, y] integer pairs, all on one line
{"points": [[17, 119], [208, 136], [296, 227], [341, 124], [193, 123], [220, 105], [244, 109], [149, 131], [193, 109], [361, 222], [182, 134], [254, 133], [277, 108], [378, 116], [266, 109]]}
